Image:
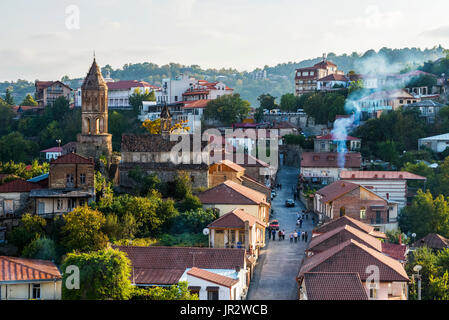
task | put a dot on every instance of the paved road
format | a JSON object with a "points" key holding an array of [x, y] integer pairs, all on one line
{"points": [[279, 261]]}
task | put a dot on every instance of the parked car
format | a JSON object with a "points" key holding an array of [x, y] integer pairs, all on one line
{"points": [[274, 224], [289, 203]]}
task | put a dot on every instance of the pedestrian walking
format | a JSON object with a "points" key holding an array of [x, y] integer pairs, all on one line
{"points": [[302, 237], [291, 237], [280, 235], [306, 236], [300, 223], [299, 234], [283, 234], [307, 216], [273, 233], [295, 235]]}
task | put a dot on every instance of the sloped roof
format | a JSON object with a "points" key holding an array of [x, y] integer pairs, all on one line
{"points": [[19, 185], [230, 192], [346, 220], [165, 265], [94, 79], [336, 189], [332, 137], [235, 219], [128, 84], [388, 175], [72, 158], [212, 277], [334, 77], [330, 160], [352, 256], [433, 241], [334, 286], [54, 149], [425, 103], [438, 137], [324, 64], [340, 235], [396, 251], [202, 103], [132, 142], [232, 165], [20, 269]]}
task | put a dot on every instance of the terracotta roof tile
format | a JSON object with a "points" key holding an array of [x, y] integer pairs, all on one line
{"points": [[232, 165], [396, 251], [72, 158], [336, 189], [128, 84], [230, 192], [202, 103], [334, 286], [235, 219], [340, 235], [346, 220], [163, 265], [332, 137], [352, 256], [373, 175], [433, 241], [19, 269], [19, 185], [151, 143], [212, 277], [330, 160]]}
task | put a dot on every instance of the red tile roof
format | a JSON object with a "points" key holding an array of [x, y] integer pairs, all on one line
{"points": [[19, 269], [212, 277], [72, 158], [340, 235], [334, 77], [232, 165], [19, 185], [373, 175], [165, 265], [230, 192], [128, 84], [336, 189], [346, 220], [202, 103], [433, 241], [329, 160], [352, 256], [54, 149], [324, 64], [332, 137], [396, 251], [235, 219], [334, 286]]}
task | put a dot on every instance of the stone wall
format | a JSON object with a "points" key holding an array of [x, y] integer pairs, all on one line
{"points": [[94, 146], [59, 172]]}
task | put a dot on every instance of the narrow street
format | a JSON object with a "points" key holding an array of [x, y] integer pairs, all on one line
{"points": [[275, 274]]}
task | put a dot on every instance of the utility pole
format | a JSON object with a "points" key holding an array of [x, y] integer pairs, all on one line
{"points": [[417, 269]]}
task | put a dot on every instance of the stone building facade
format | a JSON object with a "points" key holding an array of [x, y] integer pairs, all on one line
{"points": [[94, 140]]}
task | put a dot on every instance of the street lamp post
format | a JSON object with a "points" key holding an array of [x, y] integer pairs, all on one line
{"points": [[417, 269]]}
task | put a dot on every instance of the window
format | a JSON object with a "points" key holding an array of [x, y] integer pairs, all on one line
{"points": [[195, 290], [342, 211], [82, 202], [59, 204], [36, 291], [373, 293], [362, 213], [212, 293], [8, 206], [69, 180], [83, 178]]}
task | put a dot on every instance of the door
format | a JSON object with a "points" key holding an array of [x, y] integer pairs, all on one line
{"points": [[219, 239], [378, 217], [41, 207]]}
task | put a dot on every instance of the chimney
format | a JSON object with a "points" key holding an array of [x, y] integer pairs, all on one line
{"points": [[400, 239]]}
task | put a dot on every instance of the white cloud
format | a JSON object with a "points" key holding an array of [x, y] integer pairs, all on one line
{"points": [[373, 18]]}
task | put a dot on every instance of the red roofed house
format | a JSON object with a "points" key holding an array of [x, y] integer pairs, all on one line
{"points": [[26, 279], [48, 91], [52, 153], [347, 220], [329, 143], [323, 167], [238, 229], [383, 277], [229, 195], [345, 198], [391, 185], [333, 82], [213, 274], [71, 184], [306, 79], [433, 241]]}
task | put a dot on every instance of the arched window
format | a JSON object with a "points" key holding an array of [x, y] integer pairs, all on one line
{"points": [[87, 124], [342, 211], [97, 126]]}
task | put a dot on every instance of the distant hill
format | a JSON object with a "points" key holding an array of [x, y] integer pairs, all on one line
{"points": [[276, 80]]}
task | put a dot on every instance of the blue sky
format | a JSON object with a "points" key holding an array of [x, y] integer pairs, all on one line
{"points": [[245, 34]]}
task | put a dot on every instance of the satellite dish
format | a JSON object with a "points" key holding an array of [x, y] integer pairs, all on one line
{"points": [[205, 231]]}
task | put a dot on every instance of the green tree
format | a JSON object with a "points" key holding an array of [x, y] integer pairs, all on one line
{"points": [[427, 259], [192, 221], [40, 248], [439, 287], [15, 147], [289, 102], [6, 118], [29, 101], [137, 98], [426, 215], [83, 230], [30, 227], [123, 228], [182, 185], [104, 275], [227, 109], [190, 202], [267, 101], [8, 97], [179, 291]]}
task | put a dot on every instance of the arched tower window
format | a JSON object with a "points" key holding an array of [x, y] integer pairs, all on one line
{"points": [[87, 125], [97, 126]]}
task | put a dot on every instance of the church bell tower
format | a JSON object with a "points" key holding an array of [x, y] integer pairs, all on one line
{"points": [[94, 140]]}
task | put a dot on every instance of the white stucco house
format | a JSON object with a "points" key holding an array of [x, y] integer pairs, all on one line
{"points": [[437, 143]]}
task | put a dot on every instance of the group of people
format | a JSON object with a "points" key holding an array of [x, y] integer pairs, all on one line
{"points": [[278, 186], [302, 236], [281, 234]]}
